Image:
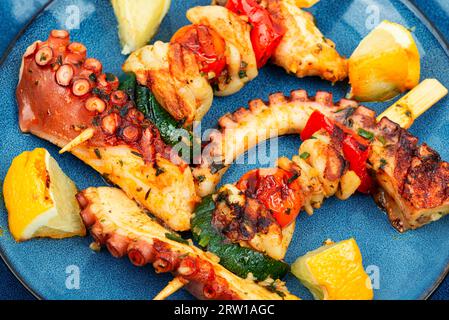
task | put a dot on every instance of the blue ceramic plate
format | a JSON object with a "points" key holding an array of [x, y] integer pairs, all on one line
{"points": [[406, 266]]}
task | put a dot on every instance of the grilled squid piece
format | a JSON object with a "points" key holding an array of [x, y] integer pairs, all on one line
{"points": [[413, 181], [303, 50], [240, 59], [182, 78], [173, 75], [245, 221], [62, 94], [125, 229]]}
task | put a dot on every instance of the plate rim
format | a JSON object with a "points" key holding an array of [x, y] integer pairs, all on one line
{"points": [[430, 26]]}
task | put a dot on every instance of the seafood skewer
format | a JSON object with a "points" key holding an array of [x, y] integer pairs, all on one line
{"points": [[259, 211], [410, 180], [224, 48], [118, 223], [64, 97]]}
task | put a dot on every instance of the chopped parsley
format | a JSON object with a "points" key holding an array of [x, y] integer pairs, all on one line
{"points": [[175, 237], [204, 241], [293, 178], [242, 74], [110, 77], [304, 155], [365, 134], [96, 121], [159, 171], [382, 139]]}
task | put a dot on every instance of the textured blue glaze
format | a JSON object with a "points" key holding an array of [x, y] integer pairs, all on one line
{"points": [[409, 264]]}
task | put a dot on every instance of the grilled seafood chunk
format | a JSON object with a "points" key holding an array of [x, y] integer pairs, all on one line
{"points": [[173, 75], [262, 120], [413, 180], [303, 50], [239, 50], [61, 93], [118, 223], [245, 221]]}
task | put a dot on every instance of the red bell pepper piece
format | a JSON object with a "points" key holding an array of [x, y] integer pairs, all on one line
{"points": [[279, 191], [316, 122], [356, 153], [265, 34], [355, 149]]}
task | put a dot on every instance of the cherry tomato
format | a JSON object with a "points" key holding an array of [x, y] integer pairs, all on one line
{"points": [[278, 190], [207, 45]]}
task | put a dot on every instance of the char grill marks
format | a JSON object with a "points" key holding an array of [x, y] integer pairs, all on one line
{"points": [[242, 223], [420, 175], [413, 179]]}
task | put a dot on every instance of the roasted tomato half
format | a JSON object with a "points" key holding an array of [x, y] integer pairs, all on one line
{"points": [[277, 189], [207, 45]]}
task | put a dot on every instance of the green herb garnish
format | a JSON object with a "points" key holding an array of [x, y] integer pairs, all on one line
{"points": [[304, 155], [110, 77], [159, 171], [242, 74], [382, 139], [176, 238], [147, 194], [365, 134], [293, 178]]}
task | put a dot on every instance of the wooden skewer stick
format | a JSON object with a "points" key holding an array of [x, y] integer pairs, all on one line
{"points": [[173, 286], [407, 109], [82, 137]]}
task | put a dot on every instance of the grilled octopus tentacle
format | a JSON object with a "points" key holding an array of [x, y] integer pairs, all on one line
{"points": [[245, 128], [61, 93], [117, 222]]}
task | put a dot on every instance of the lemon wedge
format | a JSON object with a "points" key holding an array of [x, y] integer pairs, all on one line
{"points": [[334, 272], [385, 64], [40, 198], [138, 21], [304, 3]]}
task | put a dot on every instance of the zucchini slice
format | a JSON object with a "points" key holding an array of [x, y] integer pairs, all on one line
{"points": [[239, 260]]}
